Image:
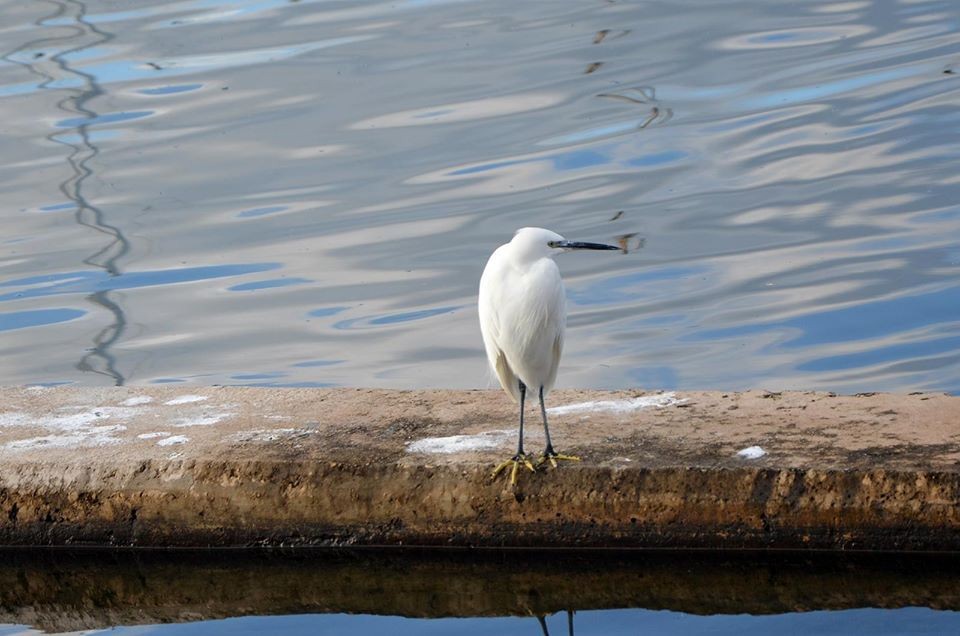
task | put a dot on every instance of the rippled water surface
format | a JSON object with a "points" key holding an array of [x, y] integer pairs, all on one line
{"points": [[305, 192]]}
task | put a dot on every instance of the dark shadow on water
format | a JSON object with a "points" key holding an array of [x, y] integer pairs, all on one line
{"points": [[98, 359], [65, 590]]}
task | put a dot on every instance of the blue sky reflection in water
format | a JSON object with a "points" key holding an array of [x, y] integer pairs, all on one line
{"points": [[875, 622], [220, 192]]}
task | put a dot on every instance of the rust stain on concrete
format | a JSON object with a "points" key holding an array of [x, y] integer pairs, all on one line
{"points": [[238, 466]]}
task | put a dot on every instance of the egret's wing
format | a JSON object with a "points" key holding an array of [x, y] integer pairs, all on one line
{"points": [[508, 380], [490, 327], [498, 359], [557, 351], [555, 325]]}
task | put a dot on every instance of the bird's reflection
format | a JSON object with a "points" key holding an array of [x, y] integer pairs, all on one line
{"points": [[546, 630], [55, 66]]}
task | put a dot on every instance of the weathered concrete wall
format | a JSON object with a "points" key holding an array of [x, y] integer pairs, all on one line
{"points": [[241, 466]]}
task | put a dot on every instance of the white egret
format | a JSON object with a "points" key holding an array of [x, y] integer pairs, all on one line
{"points": [[523, 315]]}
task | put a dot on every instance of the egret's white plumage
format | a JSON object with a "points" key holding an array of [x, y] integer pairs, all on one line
{"points": [[523, 311], [523, 316]]}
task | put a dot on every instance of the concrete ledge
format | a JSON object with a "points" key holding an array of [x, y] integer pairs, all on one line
{"points": [[221, 466]]}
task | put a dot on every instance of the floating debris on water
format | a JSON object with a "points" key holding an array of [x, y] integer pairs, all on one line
{"points": [[624, 242]]}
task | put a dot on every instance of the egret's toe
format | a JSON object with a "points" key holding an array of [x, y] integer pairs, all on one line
{"points": [[514, 463], [553, 457]]}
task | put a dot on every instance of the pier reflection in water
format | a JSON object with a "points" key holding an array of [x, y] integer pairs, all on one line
{"points": [[500, 592]]}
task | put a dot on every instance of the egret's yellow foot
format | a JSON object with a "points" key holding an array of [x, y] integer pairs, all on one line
{"points": [[516, 462], [553, 456]]}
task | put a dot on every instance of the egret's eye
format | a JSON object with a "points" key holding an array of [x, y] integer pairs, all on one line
{"points": [[551, 243]]}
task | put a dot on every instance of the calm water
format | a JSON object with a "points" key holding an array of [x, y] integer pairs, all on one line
{"points": [[368, 594], [305, 192], [602, 623]]}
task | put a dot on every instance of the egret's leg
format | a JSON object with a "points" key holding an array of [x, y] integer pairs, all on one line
{"points": [[523, 397], [543, 625], [550, 455], [520, 458], [546, 429]]}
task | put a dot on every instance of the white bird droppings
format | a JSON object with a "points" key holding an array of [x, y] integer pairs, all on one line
{"points": [[174, 439], [153, 435], [270, 434], [186, 399], [202, 420], [82, 429], [619, 406], [78, 438], [461, 443], [137, 400], [751, 452]]}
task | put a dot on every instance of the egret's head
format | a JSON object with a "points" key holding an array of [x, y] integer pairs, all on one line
{"points": [[536, 242]]}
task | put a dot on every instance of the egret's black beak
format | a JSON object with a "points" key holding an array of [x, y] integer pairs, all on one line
{"points": [[579, 245]]}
